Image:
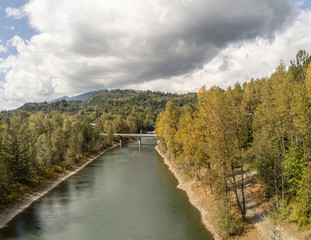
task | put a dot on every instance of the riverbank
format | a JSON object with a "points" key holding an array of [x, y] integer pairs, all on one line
{"points": [[259, 226], [203, 204], [9, 213]]}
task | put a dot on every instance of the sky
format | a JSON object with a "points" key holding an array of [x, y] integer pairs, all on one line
{"points": [[52, 48]]}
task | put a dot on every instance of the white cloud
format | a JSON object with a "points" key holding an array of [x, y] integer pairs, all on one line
{"points": [[15, 13], [2, 48], [255, 59], [176, 45], [27, 74], [260, 57]]}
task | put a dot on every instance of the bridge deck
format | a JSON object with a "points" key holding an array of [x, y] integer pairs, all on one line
{"points": [[132, 134]]}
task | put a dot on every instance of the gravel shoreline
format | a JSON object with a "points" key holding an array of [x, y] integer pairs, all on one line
{"points": [[186, 186], [9, 213]]}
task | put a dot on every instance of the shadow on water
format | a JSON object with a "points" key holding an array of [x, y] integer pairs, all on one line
{"points": [[31, 224]]}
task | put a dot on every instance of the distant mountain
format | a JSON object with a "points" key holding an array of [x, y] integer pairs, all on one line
{"points": [[59, 99], [115, 101], [80, 97]]}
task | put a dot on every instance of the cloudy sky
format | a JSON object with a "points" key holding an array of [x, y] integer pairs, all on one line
{"points": [[51, 48]]}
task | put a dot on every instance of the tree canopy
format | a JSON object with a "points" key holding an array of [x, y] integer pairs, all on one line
{"points": [[264, 124]]}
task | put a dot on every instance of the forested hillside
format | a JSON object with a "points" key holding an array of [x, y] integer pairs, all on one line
{"points": [[40, 141], [263, 125], [139, 106]]}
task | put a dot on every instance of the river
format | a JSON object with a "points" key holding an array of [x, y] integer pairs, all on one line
{"points": [[126, 194]]}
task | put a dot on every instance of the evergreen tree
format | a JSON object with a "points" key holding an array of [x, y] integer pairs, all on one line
{"points": [[17, 146]]}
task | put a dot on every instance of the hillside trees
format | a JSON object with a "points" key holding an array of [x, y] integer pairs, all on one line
{"points": [[207, 138], [303, 198], [299, 65], [303, 206], [142, 105], [34, 147], [186, 137], [222, 114], [43, 154], [18, 149], [3, 168], [264, 124], [55, 137], [273, 130], [169, 127]]}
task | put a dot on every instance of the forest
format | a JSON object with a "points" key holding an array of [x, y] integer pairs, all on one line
{"points": [[217, 135], [262, 126], [42, 141]]}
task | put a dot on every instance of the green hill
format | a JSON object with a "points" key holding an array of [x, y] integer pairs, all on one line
{"points": [[141, 105]]}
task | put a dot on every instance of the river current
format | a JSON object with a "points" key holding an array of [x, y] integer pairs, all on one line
{"points": [[126, 194]]}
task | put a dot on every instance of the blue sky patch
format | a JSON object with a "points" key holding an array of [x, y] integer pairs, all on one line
{"points": [[303, 4], [238, 45], [9, 27]]}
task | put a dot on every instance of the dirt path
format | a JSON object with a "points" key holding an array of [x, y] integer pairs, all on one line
{"points": [[261, 227], [258, 217]]}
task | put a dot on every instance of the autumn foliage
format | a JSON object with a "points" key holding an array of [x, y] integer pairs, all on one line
{"points": [[263, 125]]}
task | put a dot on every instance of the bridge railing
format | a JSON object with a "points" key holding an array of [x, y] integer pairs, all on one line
{"points": [[138, 135]]}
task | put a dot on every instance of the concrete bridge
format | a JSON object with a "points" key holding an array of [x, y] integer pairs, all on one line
{"points": [[134, 135]]}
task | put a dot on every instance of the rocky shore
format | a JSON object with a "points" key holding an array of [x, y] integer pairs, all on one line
{"points": [[195, 198]]}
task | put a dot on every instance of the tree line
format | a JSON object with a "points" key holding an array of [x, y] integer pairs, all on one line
{"points": [[145, 104], [39, 145], [36, 147], [262, 125]]}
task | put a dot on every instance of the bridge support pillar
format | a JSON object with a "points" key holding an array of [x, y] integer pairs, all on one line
{"points": [[120, 142], [139, 142]]}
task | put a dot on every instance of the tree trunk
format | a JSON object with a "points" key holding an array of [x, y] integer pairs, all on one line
{"points": [[242, 189], [235, 189]]}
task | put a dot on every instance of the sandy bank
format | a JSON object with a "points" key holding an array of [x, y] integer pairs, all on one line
{"points": [[195, 200], [11, 212], [259, 227]]}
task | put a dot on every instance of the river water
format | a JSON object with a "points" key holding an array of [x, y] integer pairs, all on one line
{"points": [[126, 194]]}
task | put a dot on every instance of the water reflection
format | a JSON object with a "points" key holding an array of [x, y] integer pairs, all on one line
{"points": [[125, 194]]}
